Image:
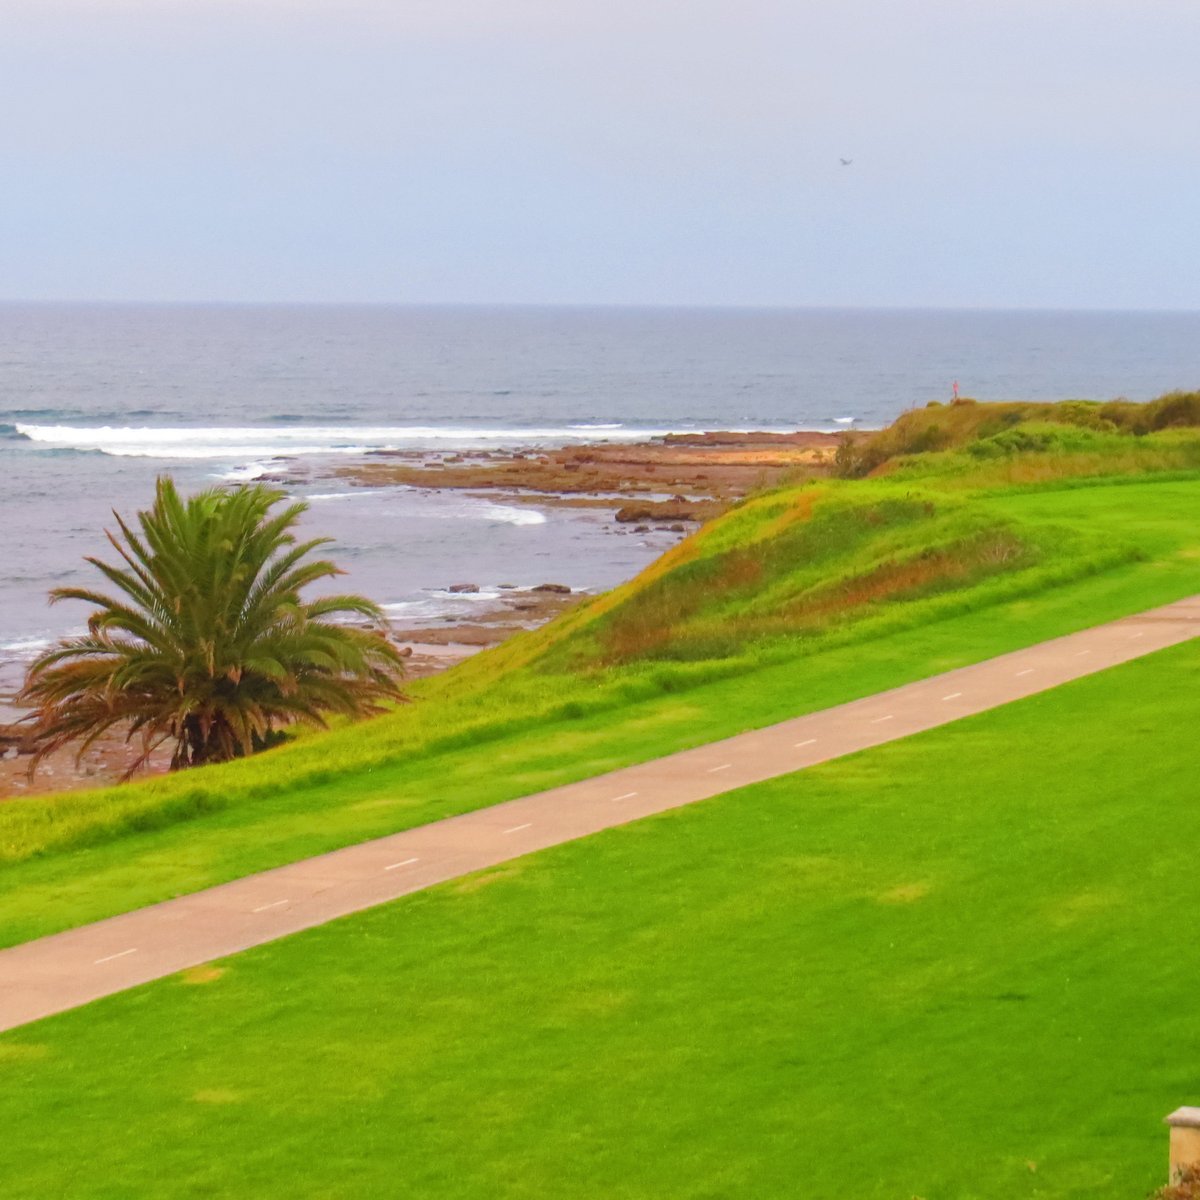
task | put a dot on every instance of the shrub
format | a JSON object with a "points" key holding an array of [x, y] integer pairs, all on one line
{"points": [[1185, 1187]]}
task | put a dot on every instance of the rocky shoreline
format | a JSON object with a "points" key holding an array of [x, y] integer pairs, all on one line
{"points": [[666, 485], [680, 477]]}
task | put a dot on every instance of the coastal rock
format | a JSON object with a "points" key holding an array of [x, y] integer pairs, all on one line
{"points": [[677, 528], [631, 513], [559, 589], [667, 512], [463, 588], [15, 739]]}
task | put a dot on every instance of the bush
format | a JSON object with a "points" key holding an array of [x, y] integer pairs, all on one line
{"points": [[1185, 1187]]}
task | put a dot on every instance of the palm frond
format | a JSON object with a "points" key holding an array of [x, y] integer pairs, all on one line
{"points": [[206, 642]]}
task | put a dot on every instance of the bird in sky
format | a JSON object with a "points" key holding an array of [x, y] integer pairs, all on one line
{"points": [[845, 161]]}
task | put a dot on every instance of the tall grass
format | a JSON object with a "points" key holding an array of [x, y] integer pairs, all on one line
{"points": [[782, 577], [851, 557], [1119, 432]]}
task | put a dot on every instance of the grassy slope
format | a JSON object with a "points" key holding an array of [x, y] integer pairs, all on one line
{"points": [[1096, 434], [960, 965], [560, 727]]}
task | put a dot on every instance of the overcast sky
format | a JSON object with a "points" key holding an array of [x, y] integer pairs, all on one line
{"points": [[1006, 153]]}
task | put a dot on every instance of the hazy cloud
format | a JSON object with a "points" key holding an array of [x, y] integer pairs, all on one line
{"points": [[1023, 153]]}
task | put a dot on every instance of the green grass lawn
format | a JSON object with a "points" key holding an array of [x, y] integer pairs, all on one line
{"points": [[155, 840], [960, 965]]}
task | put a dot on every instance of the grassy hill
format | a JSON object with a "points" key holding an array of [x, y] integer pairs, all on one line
{"points": [[793, 601], [1072, 437], [960, 965]]}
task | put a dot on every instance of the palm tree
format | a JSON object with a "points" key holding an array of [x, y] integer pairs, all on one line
{"points": [[206, 641]]}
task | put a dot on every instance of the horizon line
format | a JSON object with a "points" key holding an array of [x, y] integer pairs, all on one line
{"points": [[583, 305]]}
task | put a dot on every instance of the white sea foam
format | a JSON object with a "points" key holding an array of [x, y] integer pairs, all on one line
{"points": [[26, 647], [440, 604], [478, 510], [483, 596], [249, 472], [509, 515], [258, 442], [447, 508]]}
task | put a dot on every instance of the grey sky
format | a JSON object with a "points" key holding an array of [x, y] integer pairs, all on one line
{"points": [[1006, 152]]}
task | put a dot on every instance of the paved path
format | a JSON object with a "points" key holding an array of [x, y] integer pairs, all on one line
{"points": [[68, 969]]}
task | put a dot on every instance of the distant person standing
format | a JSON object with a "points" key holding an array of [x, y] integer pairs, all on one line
{"points": [[956, 389]]}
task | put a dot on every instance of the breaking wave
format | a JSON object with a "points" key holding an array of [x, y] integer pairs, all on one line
{"points": [[440, 507], [275, 441]]}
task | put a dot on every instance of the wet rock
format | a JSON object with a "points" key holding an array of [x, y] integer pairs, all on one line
{"points": [[463, 589], [641, 529], [15, 739], [677, 528], [506, 587], [558, 589], [630, 514], [670, 511]]}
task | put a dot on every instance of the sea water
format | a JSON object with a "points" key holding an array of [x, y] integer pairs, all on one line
{"points": [[98, 400]]}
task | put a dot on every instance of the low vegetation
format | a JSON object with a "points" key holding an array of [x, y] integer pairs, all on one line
{"points": [[1186, 1185], [959, 965], [806, 567], [1111, 432], [796, 599]]}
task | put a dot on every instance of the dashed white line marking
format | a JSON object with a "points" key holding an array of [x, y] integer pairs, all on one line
{"points": [[879, 720], [722, 767], [952, 696], [1027, 671], [625, 796], [518, 828], [406, 863], [809, 742], [110, 957], [264, 907]]}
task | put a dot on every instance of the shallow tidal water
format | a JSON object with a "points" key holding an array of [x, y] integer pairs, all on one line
{"points": [[96, 401]]}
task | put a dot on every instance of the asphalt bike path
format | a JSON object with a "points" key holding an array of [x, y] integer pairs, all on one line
{"points": [[68, 969]]}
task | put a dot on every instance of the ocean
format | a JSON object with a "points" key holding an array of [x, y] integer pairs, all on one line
{"points": [[98, 400]]}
